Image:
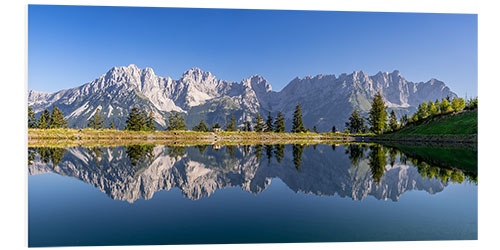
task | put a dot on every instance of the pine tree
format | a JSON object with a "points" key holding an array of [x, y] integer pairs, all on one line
{"points": [[259, 126], [231, 126], [111, 125], [43, 122], [248, 126], [315, 129], [31, 118], [298, 126], [458, 104], [279, 124], [438, 105], [393, 122], [181, 124], [422, 111], [150, 125], [216, 126], [56, 118], [432, 108], [97, 121], [134, 120], [378, 114], [202, 127], [334, 129], [143, 119], [269, 123], [356, 123], [445, 106], [176, 122], [403, 120]]}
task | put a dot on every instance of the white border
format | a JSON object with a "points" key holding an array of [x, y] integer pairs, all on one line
{"points": [[13, 96]]}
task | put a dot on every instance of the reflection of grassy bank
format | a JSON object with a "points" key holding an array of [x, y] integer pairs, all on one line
{"points": [[90, 137], [447, 157]]}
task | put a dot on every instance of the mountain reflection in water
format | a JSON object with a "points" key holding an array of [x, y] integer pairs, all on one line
{"points": [[351, 170]]}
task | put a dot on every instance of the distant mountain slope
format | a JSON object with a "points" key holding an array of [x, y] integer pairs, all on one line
{"points": [[326, 100]]}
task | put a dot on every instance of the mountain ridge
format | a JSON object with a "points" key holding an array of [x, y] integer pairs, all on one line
{"points": [[326, 100]]}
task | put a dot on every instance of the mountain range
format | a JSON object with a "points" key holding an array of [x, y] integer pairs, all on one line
{"points": [[326, 100]]}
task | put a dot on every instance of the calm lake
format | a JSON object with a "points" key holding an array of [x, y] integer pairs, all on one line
{"points": [[155, 194]]}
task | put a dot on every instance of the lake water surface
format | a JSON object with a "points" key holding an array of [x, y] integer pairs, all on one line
{"points": [[155, 194]]}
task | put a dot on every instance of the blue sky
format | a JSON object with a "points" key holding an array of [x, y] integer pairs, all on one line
{"points": [[72, 45]]}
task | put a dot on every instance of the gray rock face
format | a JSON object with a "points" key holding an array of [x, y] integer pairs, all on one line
{"points": [[323, 172], [326, 100]]}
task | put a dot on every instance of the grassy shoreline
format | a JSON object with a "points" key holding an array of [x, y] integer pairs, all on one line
{"points": [[42, 137]]}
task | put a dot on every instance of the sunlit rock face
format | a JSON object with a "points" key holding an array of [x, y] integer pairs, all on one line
{"points": [[326, 100], [138, 172]]}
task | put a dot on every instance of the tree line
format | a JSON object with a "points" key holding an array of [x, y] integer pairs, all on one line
{"points": [[47, 119], [379, 121], [141, 120]]}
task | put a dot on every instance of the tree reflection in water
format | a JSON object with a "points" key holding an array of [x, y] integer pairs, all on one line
{"points": [[376, 156], [279, 152], [297, 155], [140, 154]]}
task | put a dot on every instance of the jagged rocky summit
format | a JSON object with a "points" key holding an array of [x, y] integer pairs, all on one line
{"points": [[326, 100]]}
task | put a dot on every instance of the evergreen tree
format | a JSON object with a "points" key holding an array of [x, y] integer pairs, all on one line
{"points": [[202, 127], [315, 129], [216, 126], [438, 105], [248, 126], [458, 104], [176, 122], [56, 118], [298, 126], [134, 120], [393, 121], [445, 106], [378, 114], [269, 123], [150, 125], [334, 129], [172, 121], [31, 118], [43, 122], [356, 123], [143, 116], [403, 120], [422, 111], [279, 124], [111, 125], [259, 125], [432, 108], [231, 126], [97, 121]]}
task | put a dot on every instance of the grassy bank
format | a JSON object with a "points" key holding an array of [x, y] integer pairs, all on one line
{"points": [[42, 137], [464, 123], [460, 128]]}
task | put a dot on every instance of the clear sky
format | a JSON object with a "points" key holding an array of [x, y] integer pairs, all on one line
{"points": [[72, 45]]}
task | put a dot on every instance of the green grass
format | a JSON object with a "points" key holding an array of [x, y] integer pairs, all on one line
{"points": [[119, 137], [460, 124]]}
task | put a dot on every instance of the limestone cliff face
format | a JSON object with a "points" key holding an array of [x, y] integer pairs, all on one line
{"points": [[326, 100], [322, 172]]}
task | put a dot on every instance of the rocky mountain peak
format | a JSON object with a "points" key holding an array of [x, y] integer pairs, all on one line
{"points": [[201, 96]]}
